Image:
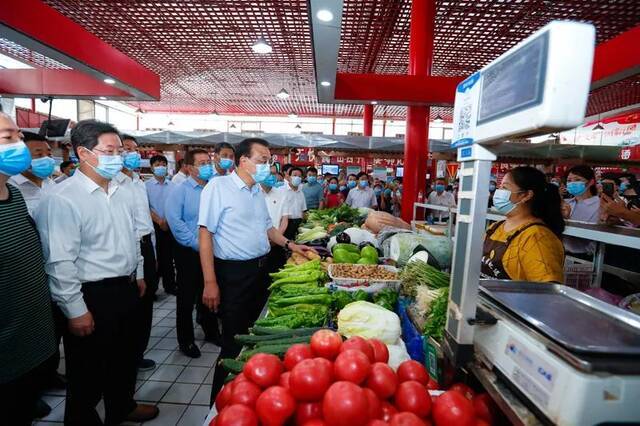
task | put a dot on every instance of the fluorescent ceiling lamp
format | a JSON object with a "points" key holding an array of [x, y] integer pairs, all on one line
{"points": [[261, 46], [438, 119], [293, 115], [109, 81], [282, 94], [374, 102], [103, 98], [325, 83], [324, 15], [598, 127], [298, 126]]}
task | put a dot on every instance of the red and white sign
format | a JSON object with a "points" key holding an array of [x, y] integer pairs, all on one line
{"points": [[620, 130]]}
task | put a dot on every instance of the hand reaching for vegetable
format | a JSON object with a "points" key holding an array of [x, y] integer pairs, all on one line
{"points": [[301, 249]]}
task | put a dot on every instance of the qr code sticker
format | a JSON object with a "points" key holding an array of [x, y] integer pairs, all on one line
{"points": [[464, 119]]}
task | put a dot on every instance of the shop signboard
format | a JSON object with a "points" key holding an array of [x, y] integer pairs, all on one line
{"points": [[620, 130]]}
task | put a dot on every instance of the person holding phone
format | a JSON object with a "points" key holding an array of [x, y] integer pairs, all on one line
{"points": [[583, 207]]}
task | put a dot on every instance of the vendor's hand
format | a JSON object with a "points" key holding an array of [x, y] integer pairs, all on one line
{"points": [[566, 210], [142, 287], [82, 326], [301, 249], [211, 296]]}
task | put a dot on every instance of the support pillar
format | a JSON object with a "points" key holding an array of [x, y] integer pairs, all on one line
{"points": [[368, 120], [416, 149]]}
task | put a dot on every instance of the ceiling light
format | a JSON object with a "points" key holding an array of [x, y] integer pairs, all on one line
{"points": [[298, 126], [438, 119], [170, 123], [233, 126], [374, 102], [103, 98], [598, 127], [324, 15], [215, 112], [282, 94], [325, 84], [261, 46], [109, 81], [293, 115]]}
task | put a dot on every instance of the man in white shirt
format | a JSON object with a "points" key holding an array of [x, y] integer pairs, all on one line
{"points": [[362, 195], [296, 201], [67, 168], [440, 197], [92, 256], [279, 211], [183, 173], [34, 182]]}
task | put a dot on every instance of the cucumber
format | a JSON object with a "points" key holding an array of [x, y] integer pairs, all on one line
{"points": [[252, 339], [287, 340], [278, 350], [232, 365], [283, 331]]}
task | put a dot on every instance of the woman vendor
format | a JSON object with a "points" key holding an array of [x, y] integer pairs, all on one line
{"points": [[526, 246]]}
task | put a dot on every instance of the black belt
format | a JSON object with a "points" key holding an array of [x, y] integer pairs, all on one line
{"points": [[114, 280], [258, 261], [146, 239]]}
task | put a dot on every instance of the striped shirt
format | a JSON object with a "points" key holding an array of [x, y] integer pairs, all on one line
{"points": [[26, 322]]}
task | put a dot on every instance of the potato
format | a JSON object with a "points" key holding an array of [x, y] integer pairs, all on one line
{"points": [[312, 255]]}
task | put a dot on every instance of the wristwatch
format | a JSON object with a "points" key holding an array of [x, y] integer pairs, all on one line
{"points": [[286, 244]]}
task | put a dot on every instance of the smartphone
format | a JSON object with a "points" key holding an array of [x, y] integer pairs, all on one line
{"points": [[607, 189]]}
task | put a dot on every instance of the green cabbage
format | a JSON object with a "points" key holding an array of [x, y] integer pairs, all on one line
{"points": [[370, 321]]}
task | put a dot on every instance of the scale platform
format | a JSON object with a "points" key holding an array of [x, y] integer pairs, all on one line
{"points": [[574, 358]]}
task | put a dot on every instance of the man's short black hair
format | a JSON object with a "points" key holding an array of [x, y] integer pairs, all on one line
{"points": [[611, 176], [286, 168], [87, 132], [33, 137], [223, 145], [131, 138], [350, 175], [295, 169], [361, 174], [158, 159], [312, 170], [190, 159], [243, 149], [65, 164], [441, 180]]}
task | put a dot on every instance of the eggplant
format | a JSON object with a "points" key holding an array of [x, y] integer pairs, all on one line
{"points": [[343, 237], [320, 242]]}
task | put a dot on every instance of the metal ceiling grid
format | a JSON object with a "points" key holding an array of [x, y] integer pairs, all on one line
{"points": [[35, 59]]}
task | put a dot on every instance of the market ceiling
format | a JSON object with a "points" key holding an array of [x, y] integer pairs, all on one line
{"points": [[202, 50]]}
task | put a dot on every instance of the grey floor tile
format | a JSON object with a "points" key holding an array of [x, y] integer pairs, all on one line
{"points": [[202, 396], [169, 415], [194, 415], [180, 393], [47, 423], [168, 343], [209, 347], [167, 373], [144, 375], [207, 359], [139, 383], [171, 314], [209, 378], [193, 375], [166, 322], [153, 341], [177, 358], [158, 355], [53, 400], [172, 333], [198, 333], [152, 391], [161, 312], [158, 331], [56, 392], [156, 321], [56, 415]]}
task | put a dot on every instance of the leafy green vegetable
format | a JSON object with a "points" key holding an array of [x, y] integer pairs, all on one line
{"points": [[419, 273], [387, 298], [341, 299], [310, 299], [299, 278], [301, 309], [315, 233], [290, 290], [360, 295], [437, 318], [297, 320]]}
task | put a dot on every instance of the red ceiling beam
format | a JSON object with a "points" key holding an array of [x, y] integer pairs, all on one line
{"points": [[58, 83], [396, 89], [36, 26], [616, 59]]}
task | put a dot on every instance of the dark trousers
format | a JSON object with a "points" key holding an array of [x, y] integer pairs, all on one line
{"points": [[19, 396], [292, 229], [60, 325], [104, 364], [190, 294], [145, 312], [243, 293], [165, 247], [276, 259]]}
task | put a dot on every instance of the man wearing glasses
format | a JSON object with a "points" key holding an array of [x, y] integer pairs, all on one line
{"points": [[235, 230], [182, 208], [95, 267]]}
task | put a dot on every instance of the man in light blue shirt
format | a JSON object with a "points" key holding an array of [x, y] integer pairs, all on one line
{"points": [[158, 189], [223, 156], [235, 227], [313, 191], [182, 208]]}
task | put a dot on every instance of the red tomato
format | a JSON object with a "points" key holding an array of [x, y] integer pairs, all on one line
{"points": [[308, 411], [325, 365], [352, 366], [377, 422], [263, 369], [451, 408], [237, 415], [213, 421], [432, 385], [284, 380], [223, 397], [295, 354], [345, 404], [406, 419], [275, 406], [412, 370], [382, 380], [359, 344], [315, 422], [240, 378], [484, 407], [412, 396], [375, 406], [326, 344], [380, 350], [388, 411], [308, 382], [465, 390], [245, 393]]}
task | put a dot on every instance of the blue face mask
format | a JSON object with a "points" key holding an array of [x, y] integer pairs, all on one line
{"points": [[131, 160], [296, 180], [108, 165], [492, 187], [205, 171], [160, 171], [363, 183], [439, 187], [321, 181], [342, 187], [43, 167], [576, 188], [387, 192], [351, 184], [15, 158], [271, 181], [502, 201], [312, 179], [225, 163], [623, 187], [333, 186], [263, 171]]}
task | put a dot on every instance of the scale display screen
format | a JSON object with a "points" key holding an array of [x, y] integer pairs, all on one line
{"points": [[516, 82]]}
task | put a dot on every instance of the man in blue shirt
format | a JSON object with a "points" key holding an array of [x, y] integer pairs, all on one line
{"points": [[158, 189], [313, 191], [235, 227], [181, 208]]}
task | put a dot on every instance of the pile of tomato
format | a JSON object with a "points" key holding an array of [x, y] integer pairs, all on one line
{"points": [[334, 383]]}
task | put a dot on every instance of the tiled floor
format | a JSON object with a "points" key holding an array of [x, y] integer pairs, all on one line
{"points": [[180, 385]]}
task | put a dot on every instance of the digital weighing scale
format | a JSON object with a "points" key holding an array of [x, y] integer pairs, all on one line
{"points": [[568, 358]]}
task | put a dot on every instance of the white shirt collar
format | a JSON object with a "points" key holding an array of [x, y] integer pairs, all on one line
{"points": [[90, 186], [20, 179]]}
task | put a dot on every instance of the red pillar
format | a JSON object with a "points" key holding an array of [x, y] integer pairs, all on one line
{"points": [[368, 120], [416, 149]]}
